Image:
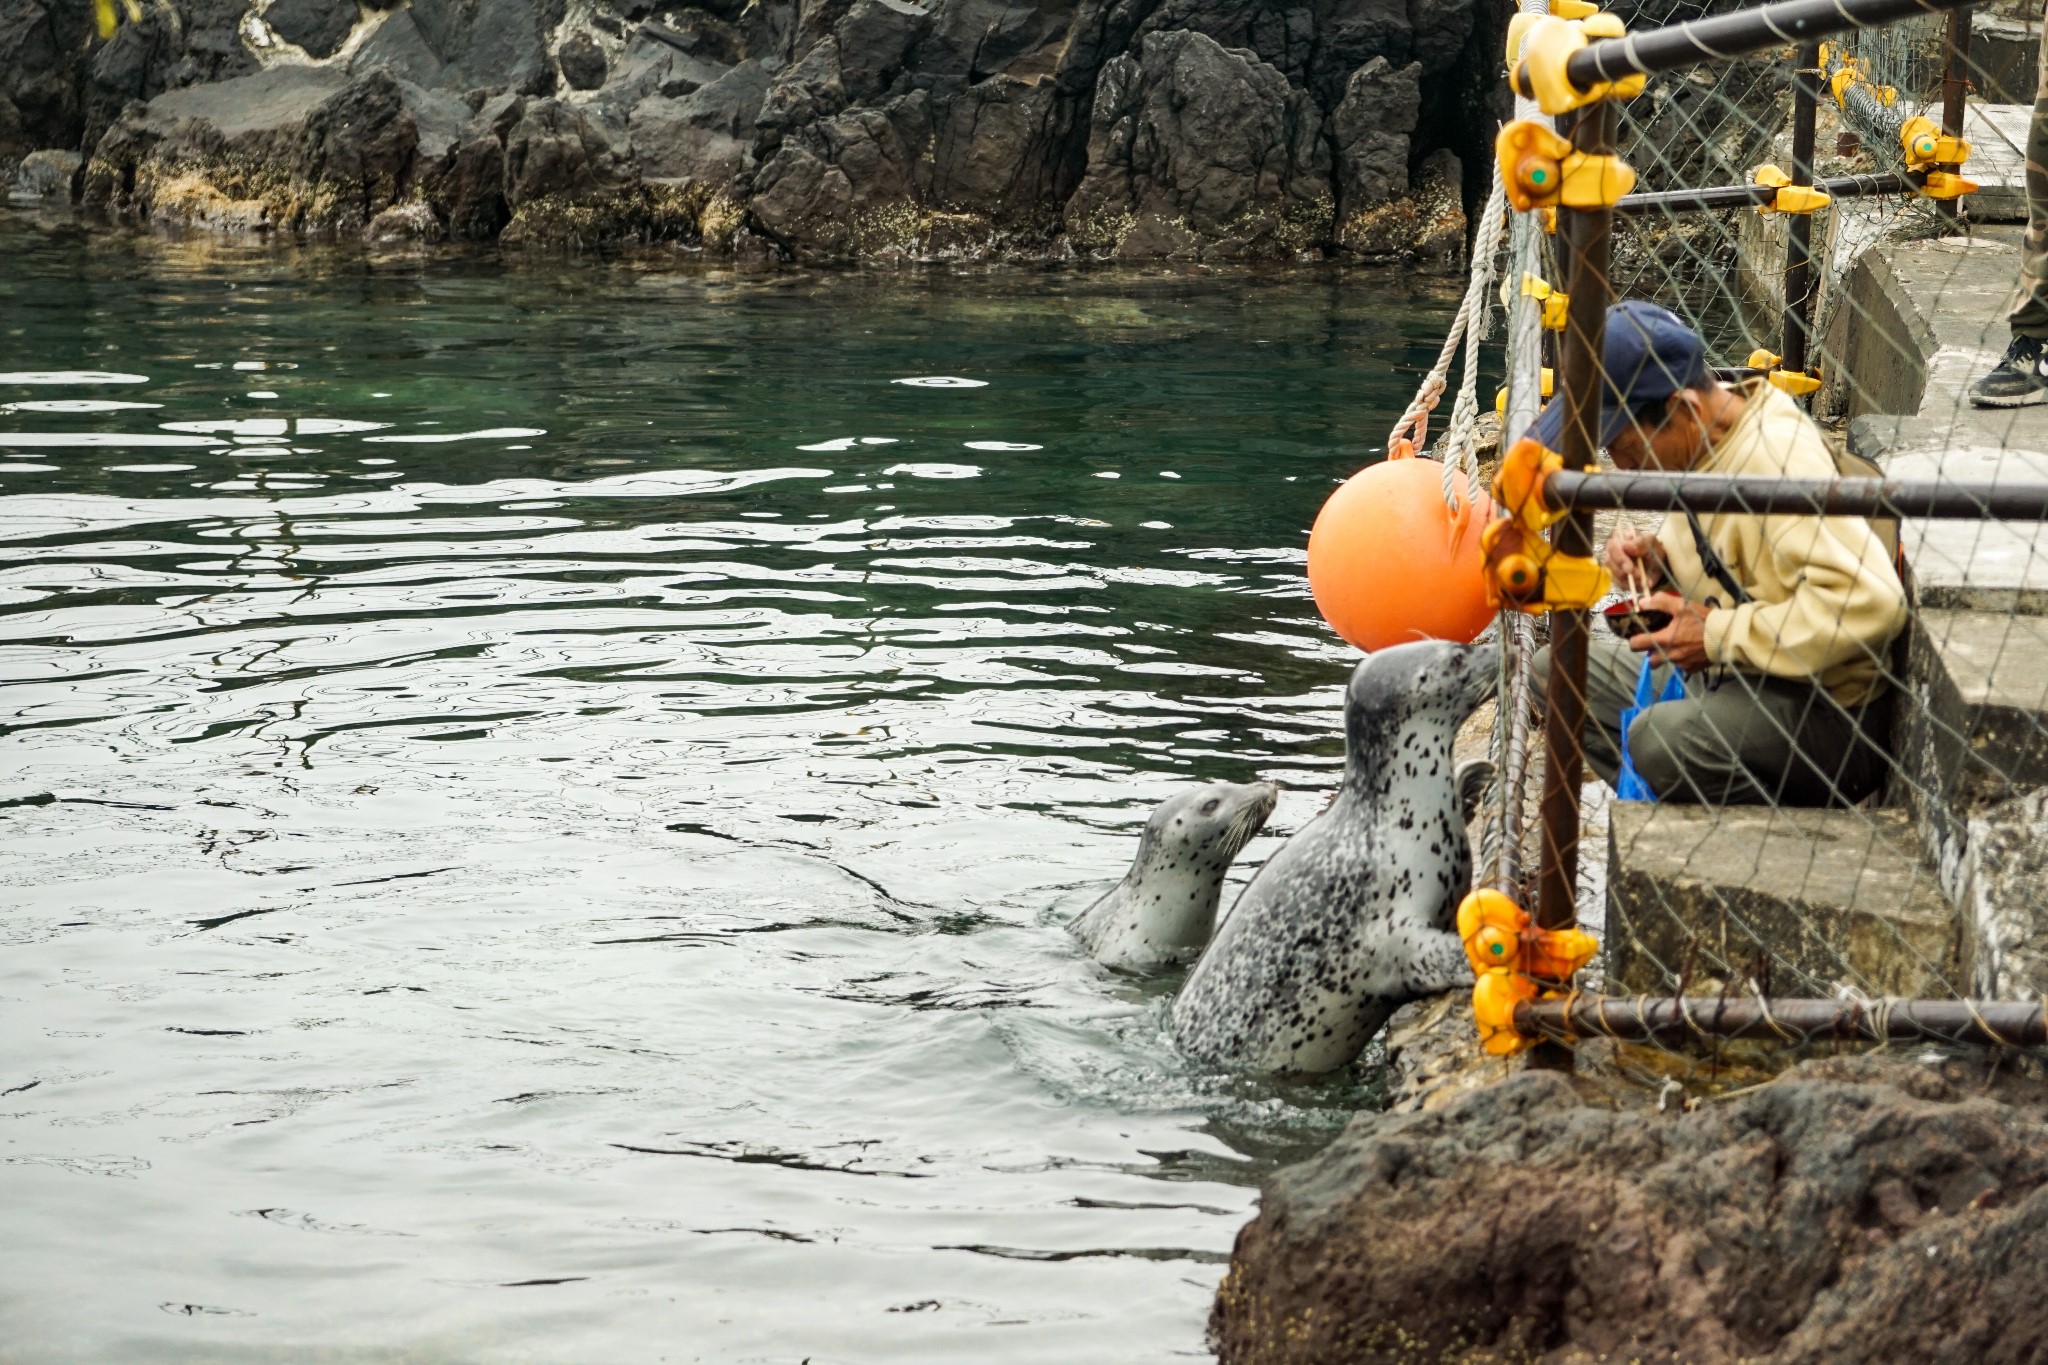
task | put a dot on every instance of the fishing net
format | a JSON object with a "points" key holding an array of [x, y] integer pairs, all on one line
{"points": [[1849, 800]]}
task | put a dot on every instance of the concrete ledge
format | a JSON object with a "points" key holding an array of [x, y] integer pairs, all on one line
{"points": [[1833, 898], [1919, 322]]}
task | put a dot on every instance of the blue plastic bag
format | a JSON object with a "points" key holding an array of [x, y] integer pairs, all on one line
{"points": [[1628, 785]]}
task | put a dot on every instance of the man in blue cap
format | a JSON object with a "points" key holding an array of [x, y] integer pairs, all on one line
{"points": [[1779, 625]]}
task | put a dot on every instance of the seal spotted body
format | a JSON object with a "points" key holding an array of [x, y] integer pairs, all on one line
{"points": [[1164, 910], [1354, 914]]}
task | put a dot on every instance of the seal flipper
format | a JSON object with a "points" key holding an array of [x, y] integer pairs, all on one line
{"points": [[1473, 777], [1439, 965]]}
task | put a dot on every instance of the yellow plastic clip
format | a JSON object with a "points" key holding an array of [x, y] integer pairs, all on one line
{"points": [[1554, 301], [1538, 65], [1926, 145], [1548, 383], [1946, 185], [1790, 198], [105, 18], [1539, 169], [1509, 958], [1795, 382], [1573, 9], [1522, 571]]}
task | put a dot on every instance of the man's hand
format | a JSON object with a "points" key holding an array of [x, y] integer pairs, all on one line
{"points": [[1634, 558], [1683, 643]]}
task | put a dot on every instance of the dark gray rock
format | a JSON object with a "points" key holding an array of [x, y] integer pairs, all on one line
{"points": [[1369, 131], [970, 41], [465, 44], [804, 203], [1282, 36], [471, 195], [706, 136], [651, 66], [555, 150], [319, 26], [397, 45], [1214, 143], [875, 41], [44, 177], [582, 62], [1856, 1209], [294, 147]]}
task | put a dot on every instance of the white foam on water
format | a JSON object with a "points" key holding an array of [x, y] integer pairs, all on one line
{"points": [[149, 468], [100, 438], [941, 381], [837, 443], [238, 426], [26, 468], [878, 440], [1157, 525], [1168, 474], [329, 426], [250, 365], [72, 405], [441, 437], [261, 393], [935, 471], [71, 377], [1001, 445], [1107, 474]]}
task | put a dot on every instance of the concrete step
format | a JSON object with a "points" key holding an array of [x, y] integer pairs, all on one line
{"points": [[1832, 897], [2005, 57]]}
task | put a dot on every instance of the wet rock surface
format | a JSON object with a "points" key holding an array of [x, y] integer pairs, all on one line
{"points": [[1871, 1207], [811, 129]]}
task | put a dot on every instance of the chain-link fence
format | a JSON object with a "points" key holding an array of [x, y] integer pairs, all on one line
{"points": [[1815, 764]]}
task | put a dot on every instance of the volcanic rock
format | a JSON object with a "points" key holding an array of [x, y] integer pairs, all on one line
{"points": [[1211, 141], [1855, 1209]]}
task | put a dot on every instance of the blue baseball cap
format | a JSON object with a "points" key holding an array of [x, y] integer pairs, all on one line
{"points": [[1649, 355]]}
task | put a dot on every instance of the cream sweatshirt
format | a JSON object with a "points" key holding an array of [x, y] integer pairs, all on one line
{"points": [[1827, 599]]}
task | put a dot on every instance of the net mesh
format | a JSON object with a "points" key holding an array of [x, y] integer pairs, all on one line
{"points": [[1849, 777]]}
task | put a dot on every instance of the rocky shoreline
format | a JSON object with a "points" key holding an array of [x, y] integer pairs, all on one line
{"points": [[811, 130]]}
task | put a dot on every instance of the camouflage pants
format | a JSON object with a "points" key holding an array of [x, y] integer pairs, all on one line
{"points": [[2029, 311]]}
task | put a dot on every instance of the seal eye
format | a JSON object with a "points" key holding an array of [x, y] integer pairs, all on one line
{"points": [[1209, 806]]}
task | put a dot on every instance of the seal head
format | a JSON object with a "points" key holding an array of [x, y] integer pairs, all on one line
{"points": [[1164, 910], [1354, 915]]}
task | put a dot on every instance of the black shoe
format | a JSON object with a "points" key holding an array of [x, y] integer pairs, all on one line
{"points": [[2021, 378]]}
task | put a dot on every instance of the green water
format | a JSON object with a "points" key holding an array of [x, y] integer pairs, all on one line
{"points": [[539, 797]]}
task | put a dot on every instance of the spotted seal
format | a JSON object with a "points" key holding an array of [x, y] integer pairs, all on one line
{"points": [[1164, 910], [1353, 915]]}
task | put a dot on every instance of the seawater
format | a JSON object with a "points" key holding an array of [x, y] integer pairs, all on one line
{"points": [[540, 796]]}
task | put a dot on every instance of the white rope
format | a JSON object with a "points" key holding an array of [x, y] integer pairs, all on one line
{"points": [[1469, 326], [1461, 439]]}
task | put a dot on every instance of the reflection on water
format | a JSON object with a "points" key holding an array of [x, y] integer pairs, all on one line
{"points": [[538, 800]]}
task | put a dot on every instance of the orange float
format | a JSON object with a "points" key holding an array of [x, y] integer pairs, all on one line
{"points": [[1388, 563]]}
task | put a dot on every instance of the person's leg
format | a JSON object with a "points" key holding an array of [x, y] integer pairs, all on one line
{"points": [[1612, 670], [2022, 377], [1754, 741]]}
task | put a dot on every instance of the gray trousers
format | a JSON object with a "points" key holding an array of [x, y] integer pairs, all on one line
{"points": [[1736, 738], [2029, 308]]}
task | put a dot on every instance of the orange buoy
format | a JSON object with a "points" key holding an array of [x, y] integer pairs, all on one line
{"points": [[1387, 565]]}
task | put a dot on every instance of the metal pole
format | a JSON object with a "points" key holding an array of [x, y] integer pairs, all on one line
{"points": [[1744, 196], [1734, 34], [1955, 86], [1587, 233], [1799, 232], [1643, 1019], [1763, 495]]}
